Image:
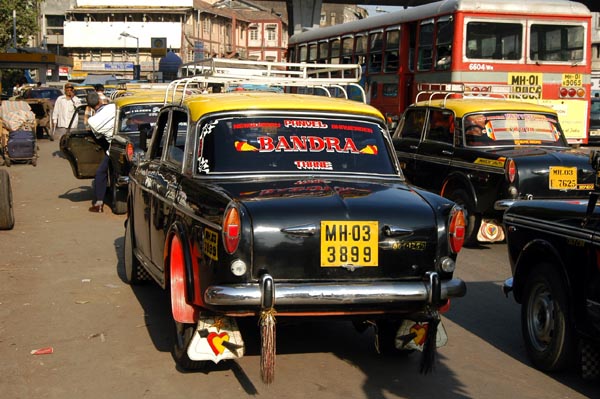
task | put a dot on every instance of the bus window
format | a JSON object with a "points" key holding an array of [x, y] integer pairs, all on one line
{"points": [[392, 43], [302, 54], [390, 90], [444, 36], [335, 51], [347, 44], [360, 49], [312, 52], [323, 53], [494, 40], [557, 43], [375, 51], [425, 46]]}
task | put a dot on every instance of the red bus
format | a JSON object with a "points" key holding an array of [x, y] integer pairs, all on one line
{"points": [[544, 44]]}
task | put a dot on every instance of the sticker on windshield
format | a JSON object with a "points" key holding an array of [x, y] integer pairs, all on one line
{"points": [[305, 144], [313, 165]]}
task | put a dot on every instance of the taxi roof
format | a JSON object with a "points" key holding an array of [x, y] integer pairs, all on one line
{"points": [[202, 104], [141, 97], [463, 106]]}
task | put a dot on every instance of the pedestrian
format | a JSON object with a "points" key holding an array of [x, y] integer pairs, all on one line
{"points": [[102, 124], [63, 114], [89, 111], [16, 89]]}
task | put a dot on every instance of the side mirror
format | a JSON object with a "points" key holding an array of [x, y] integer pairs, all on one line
{"points": [[145, 133]]}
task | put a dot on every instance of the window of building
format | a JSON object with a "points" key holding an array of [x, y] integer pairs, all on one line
{"points": [[253, 34], [271, 34]]}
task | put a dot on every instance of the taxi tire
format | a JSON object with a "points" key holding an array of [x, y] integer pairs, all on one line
{"points": [[386, 331], [7, 217], [472, 219], [135, 274], [545, 321], [182, 336]]}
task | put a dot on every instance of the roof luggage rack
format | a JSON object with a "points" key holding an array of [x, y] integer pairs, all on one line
{"points": [[232, 73], [436, 91]]}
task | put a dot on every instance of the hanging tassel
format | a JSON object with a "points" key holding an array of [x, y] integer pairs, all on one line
{"points": [[430, 345], [267, 347]]}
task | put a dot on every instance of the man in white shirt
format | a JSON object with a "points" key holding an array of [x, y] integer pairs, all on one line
{"points": [[102, 123], [64, 108]]}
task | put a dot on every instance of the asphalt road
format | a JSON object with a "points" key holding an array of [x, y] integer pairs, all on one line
{"points": [[61, 287]]}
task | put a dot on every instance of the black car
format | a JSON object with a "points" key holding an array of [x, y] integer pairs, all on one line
{"points": [[487, 153], [554, 252], [256, 204], [135, 117], [594, 129]]}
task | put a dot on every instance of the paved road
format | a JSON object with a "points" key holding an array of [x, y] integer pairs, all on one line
{"points": [[61, 286]]}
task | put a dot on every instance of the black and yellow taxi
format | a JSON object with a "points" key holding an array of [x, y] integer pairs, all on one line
{"points": [[272, 204], [485, 153], [135, 117]]}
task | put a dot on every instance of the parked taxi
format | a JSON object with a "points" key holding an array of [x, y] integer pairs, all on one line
{"points": [[266, 204], [485, 153]]}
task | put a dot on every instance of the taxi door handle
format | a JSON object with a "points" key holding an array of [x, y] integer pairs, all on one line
{"points": [[413, 147], [446, 152]]}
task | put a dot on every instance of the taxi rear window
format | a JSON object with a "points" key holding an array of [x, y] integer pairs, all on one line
{"points": [[512, 128], [294, 144]]}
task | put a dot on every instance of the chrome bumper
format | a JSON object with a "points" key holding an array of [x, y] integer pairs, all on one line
{"points": [[319, 294], [502, 205]]}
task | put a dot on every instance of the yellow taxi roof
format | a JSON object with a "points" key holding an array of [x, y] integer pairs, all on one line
{"points": [[142, 97], [465, 106], [200, 105]]}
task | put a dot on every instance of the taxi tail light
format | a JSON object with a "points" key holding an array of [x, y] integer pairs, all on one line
{"points": [[231, 229], [456, 230], [129, 151], [570, 92], [511, 170]]}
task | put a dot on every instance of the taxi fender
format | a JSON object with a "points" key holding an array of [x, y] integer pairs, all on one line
{"points": [[535, 252], [179, 231], [457, 180]]}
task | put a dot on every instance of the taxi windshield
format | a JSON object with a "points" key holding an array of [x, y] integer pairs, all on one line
{"points": [[512, 128], [294, 144], [131, 116]]}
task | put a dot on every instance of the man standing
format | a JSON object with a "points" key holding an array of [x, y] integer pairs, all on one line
{"points": [[102, 123], [64, 108]]}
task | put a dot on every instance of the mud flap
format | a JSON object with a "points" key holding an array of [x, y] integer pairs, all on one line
{"points": [[216, 339], [411, 335], [490, 231]]}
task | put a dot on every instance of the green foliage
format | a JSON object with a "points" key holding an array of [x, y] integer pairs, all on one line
{"points": [[27, 21]]}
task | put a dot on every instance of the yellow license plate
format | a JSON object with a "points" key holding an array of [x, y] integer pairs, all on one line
{"points": [[563, 178], [349, 243]]}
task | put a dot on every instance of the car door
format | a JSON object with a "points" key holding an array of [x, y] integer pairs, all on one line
{"points": [[407, 139], [436, 150], [143, 188], [81, 148], [166, 181]]}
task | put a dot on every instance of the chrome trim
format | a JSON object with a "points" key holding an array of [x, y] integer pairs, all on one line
{"points": [[504, 204], [331, 294], [122, 180], [304, 230]]}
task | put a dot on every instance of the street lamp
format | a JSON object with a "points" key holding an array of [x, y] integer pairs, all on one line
{"points": [[137, 51]]}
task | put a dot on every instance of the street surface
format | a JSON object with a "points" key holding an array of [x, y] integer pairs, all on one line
{"points": [[61, 286]]}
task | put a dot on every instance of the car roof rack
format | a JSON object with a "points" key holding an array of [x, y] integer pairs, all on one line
{"points": [[233, 73], [444, 91]]}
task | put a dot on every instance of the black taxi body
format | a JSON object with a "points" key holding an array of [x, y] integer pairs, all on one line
{"points": [[256, 204], [486, 154], [554, 252], [135, 116]]}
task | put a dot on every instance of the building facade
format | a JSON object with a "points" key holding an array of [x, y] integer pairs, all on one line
{"points": [[114, 36]]}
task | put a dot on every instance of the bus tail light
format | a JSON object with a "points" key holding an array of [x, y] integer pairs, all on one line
{"points": [[231, 229], [571, 92], [511, 170], [456, 230]]}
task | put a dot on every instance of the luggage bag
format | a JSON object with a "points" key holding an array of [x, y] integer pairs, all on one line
{"points": [[21, 145]]}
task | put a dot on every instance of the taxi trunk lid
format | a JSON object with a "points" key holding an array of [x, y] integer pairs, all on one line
{"points": [[326, 230]]}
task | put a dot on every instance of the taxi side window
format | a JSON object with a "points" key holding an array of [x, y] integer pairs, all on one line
{"points": [[160, 136], [411, 125], [177, 135], [440, 126]]}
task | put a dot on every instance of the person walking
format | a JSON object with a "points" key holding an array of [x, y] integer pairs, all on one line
{"points": [[102, 124], [64, 108]]}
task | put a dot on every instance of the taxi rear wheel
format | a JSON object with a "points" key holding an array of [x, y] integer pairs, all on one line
{"points": [[118, 198], [472, 218]]}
